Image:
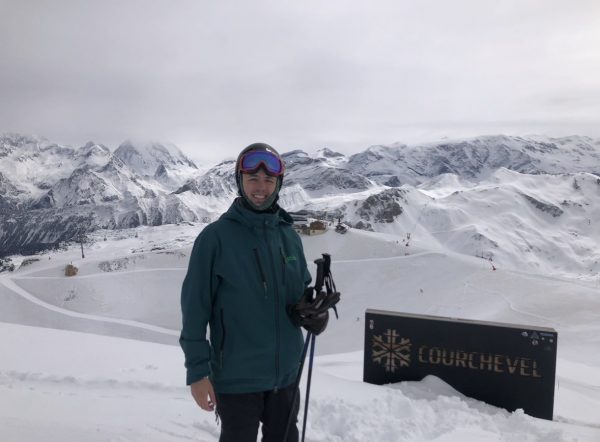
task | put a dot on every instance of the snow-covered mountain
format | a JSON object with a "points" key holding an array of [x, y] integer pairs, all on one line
{"points": [[51, 193], [162, 162], [477, 158], [508, 199], [324, 173]]}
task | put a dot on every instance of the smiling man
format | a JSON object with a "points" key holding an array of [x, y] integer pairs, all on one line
{"points": [[244, 270], [259, 188]]}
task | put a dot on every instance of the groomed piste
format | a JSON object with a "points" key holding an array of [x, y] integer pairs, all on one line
{"points": [[94, 357]]}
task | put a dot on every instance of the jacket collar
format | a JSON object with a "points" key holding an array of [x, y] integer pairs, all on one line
{"points": [[237, 212]]}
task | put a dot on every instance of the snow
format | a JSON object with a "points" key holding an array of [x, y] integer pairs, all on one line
{"points": [[95, 357]]}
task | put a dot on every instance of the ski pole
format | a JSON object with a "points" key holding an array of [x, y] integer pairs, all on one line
{"points": [[309, 335], [310, 366]]}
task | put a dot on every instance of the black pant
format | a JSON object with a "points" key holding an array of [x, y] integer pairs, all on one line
{"points": [[241, 414]]}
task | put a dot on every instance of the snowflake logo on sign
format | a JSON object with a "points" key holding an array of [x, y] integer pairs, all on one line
{"points": [[390, 353]]}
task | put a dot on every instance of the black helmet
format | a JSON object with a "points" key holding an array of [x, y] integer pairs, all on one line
{"points": [[276, 170]]}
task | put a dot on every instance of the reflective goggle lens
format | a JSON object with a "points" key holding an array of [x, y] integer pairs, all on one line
{"points": [[253, 160]]}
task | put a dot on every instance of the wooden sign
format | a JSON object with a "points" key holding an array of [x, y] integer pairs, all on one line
{"points": [[506, 365]]}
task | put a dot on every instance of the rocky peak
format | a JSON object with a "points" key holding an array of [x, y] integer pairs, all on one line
{"points": [[296, 158], [328, 153], [217, 182], [161, 172], [145, 158]]}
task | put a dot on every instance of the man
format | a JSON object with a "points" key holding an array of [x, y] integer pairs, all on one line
{"points": [[244, 270]]}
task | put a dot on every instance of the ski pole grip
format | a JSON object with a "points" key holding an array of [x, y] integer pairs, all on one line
{"points": [[320, 275], [326, 263]]}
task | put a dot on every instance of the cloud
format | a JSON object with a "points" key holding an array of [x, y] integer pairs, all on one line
{"points": [[217, 75]]}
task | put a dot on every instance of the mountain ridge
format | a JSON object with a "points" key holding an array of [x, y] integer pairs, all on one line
{"points": [[396, 188]]}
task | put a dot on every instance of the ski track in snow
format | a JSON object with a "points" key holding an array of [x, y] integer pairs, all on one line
{"points": [[106, 274], [96, 382], [472, 283], [9, 284], [388, 258]]}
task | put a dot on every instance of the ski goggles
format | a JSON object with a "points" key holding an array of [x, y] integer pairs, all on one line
{"points": [[252, 161]]}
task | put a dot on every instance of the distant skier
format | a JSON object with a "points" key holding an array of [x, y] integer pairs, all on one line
{"points": [[244, 270]]}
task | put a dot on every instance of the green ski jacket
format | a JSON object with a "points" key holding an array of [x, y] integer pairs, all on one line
{"points": [[243, 271]]}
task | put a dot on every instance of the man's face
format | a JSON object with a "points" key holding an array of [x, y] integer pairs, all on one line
{"points": [[258, 186]]}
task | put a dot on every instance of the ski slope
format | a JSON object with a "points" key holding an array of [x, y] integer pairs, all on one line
{"points": [[95, 357]]}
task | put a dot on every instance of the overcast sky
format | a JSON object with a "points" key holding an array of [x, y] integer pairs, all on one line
{"points": [[214, 76]]}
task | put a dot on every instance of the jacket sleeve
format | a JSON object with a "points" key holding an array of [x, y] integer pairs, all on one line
{"points": [[197, 296]]}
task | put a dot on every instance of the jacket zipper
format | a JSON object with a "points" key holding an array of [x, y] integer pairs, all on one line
{"points": [[260, 269], [222, 339], [277, 326], [283, 261]]}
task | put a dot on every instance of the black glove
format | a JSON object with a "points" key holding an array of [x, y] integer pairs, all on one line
{"points": [[316, 324], [313, 313]]}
